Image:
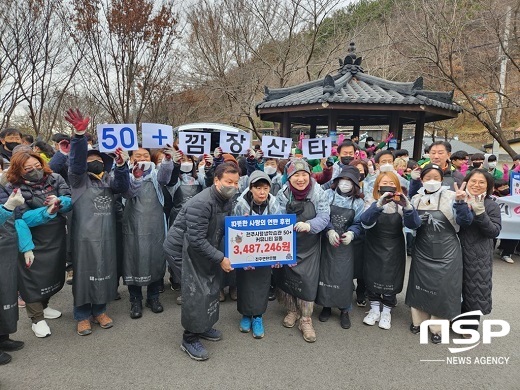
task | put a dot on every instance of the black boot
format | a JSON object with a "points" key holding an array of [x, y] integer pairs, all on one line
{"points": [[344, 319], [10, 345], [4, 358], [136, 309], [325, 314], [155, 305]]}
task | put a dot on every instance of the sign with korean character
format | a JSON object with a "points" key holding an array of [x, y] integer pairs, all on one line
{"points": [[514, 185], [235, 143], [276, 147], [114, 136], [260, 240], [316, 148], [194, 143], [155, 135]]}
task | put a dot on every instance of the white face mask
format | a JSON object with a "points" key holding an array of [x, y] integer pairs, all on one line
{"points": [[426, 155], [270, 170], [432, 185], [370, 143], [186, 167], [406, 158], [386, 168], [145, 165], [345, 186], [492, 165]]}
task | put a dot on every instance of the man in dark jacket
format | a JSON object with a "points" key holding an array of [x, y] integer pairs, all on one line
{"points": [[196, 238], [9, 140]]}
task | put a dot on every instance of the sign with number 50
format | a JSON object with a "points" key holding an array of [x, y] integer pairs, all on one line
{"points": [[122, 136]]}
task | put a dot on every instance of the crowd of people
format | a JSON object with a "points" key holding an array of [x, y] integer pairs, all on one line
{"points": [[71, 213]]}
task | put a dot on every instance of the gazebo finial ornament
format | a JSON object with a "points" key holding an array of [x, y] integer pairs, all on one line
{"points": [[352, 62]]}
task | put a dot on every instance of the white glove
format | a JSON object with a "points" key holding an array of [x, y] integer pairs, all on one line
{"points": [[384, 199], [217, 152], [302, 227], [208, 159], [177, 157], [29, 258], [347, 237], [169, 152], [251, 154], [121, 157], [477, 206], [259, 155], [333, 237], [416, 174], [15, 199]]}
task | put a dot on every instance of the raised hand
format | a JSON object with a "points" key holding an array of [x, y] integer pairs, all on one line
{"points": [[121, 157], [169, 151], [387, 197], [460, 193], [77, 120], [208, 160], [416, 174], [259, 155], [64, 147], [138, 170], [217, 152], [403, 201], [15, 199]]}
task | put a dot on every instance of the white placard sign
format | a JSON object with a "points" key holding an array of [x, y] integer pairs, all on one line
{"points": [[235, 143], [317, 148], [156, 135], [194, 143], [276, 147], [112, 136], [510, 213]]}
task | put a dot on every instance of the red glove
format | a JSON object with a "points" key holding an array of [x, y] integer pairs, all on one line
{"points": [[76, 119], [250, 154], [208, 159], [138, 171], [390, 136], [121, 157], [64, 147]]}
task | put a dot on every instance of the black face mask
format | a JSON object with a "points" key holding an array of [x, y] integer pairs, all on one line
{"points": [[95, 167], [384, 189], [11, 145], [504, 192], [346, 160], [361, 177], [477, 164], [34, 176]]}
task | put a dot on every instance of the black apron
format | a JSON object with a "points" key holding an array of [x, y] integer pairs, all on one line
{"points": [[359, 259], [385, 255], [93, 241], [46, 276], [200, 284], [8, 288], [143, 236], [182, 194], [301, 281], [253, 288], [435, 280], [337, 264]]}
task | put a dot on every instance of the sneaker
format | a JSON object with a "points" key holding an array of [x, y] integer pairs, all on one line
{"points": [[258, 328], [361, 302], [245, 324], [436, 338], [136, 309], [155, 305], [4, 358], [372, 317], [307, 329], [175, 286], [41, 329], [233, 293], [51, 314], [325, 314], [69, 277], [344, 320], [211, 335], [179, 300], [290, 319], [83, 328], [11, 345], [222, 296], [21, 302], [161, 288], [415, 329], [195, 350], [103, 320], [507, 259], [385, 321], [272, 294]]}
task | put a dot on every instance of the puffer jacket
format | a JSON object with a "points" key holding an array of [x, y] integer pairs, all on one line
{"points": [[477, 253]]}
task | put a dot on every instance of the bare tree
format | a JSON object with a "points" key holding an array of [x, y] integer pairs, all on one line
{"points": [[126, 46]]}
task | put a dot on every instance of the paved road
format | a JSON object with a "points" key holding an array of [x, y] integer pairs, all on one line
{"points": [[145, 353]]}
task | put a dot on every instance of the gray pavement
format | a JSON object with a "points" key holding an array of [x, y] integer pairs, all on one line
{"points": [[145, 353]]}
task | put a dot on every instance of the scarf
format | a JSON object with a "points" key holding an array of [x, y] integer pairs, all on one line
{"points": [[300, 194]]}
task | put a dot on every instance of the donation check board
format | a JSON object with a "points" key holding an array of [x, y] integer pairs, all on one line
{"points": [[261, 240]]}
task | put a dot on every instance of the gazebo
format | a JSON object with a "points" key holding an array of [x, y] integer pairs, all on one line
{"points": [[354, 98]]}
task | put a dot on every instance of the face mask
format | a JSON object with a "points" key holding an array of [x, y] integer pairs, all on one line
{"points": [[345, 186], [270, 170], [477, 164], [95, 167], [227, 191], [34, 175], [361, 177], [11, 145], [406, 159], [370, 143], [186, 167], [384, 189], [386, 168], [432, 185], [426, 155], [504, 191], [346, 160], [492, 165], [146, 165]]}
